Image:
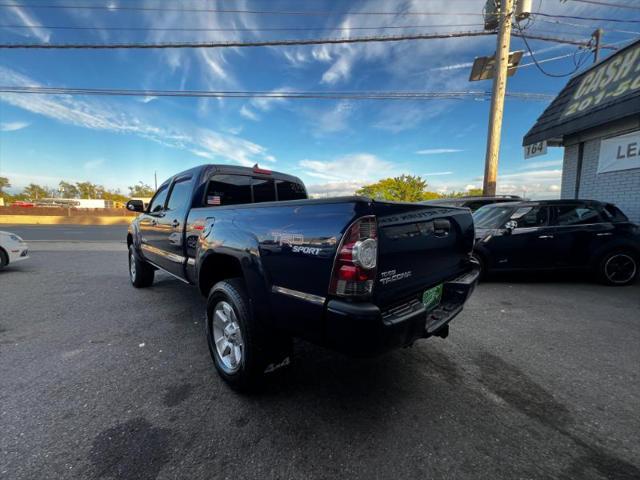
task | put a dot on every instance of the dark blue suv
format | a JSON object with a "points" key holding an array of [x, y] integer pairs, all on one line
{"points": [[558, 234]]}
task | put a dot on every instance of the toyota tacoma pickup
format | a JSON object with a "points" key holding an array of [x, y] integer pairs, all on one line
{"points": [[357, 275]]}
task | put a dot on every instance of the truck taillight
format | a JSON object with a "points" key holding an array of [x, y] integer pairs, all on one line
{"points": [[354, 269]]}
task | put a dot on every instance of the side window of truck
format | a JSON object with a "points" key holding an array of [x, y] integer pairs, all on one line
{"points": [[180, 194], [157, 203]]}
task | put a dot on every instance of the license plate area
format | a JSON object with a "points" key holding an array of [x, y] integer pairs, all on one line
{"points": [[431, 298]]}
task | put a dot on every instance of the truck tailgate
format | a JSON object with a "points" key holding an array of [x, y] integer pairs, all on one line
{"points": [[419, 247]]}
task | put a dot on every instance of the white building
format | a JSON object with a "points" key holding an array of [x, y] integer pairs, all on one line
{"points": [[596, 118]]}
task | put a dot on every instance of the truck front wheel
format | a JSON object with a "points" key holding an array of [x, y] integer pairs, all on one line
{"points": [[140, 272], [242, 349]]}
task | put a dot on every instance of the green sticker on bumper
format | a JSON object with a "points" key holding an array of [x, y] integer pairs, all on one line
{"points": [[431, 298]]}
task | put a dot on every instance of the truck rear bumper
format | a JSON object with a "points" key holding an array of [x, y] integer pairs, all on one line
{"points": [[362, 329]]}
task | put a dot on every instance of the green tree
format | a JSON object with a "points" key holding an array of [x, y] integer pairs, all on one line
{"points": [[114, 195], [405, 188], [88, 189], [472, 192], [35, 192], [4, 183], [68, 190], [141, 190]]}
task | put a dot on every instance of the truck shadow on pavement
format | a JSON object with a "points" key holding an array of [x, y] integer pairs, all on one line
{"points": [[422, 412]]}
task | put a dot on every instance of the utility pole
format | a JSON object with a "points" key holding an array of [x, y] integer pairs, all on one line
{"points": [[497, 97], [597, 37], [155, 179]]}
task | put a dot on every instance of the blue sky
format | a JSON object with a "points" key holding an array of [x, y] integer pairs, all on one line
{"points": [[334, 146]]}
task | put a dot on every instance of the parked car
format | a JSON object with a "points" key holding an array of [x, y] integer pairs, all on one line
{"points": [[354, 274], [558, 234], [472, 202], [12, 249], [20, 203]]}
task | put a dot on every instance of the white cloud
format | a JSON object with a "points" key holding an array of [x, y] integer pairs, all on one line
{"points": [[147, 99], [28, 19], [542, 164], [346, 174], [115, 118], [437, 151], [333, 189], [12, 126], [93, 164], [246, 112], [436, 174], [331, 120], [340, 70]]}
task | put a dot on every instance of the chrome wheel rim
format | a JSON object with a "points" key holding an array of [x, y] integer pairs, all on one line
{"points": [[620, 268], [227, 337], [132, 267]]}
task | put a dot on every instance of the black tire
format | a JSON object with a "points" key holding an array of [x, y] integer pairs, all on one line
{"points": [[618, 268], [482, 263], [4, 259], [140, 272], [263, 350]]}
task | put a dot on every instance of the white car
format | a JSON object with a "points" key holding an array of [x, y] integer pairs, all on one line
{"points": [[12, 249]]}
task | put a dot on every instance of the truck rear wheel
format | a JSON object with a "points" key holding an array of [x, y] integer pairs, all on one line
{"points": [[242, 349], [140, 272]]}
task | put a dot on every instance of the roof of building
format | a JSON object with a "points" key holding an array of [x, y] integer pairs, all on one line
{"points": [[607, 91]]}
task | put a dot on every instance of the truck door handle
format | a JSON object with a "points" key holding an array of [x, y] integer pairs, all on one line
{"points": [[175, 223], [441, 228], [545, 236]]}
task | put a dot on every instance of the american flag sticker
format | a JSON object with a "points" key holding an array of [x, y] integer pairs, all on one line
{"points": [[213, 199]]}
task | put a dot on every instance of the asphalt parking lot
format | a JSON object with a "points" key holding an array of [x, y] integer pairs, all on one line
{"points": [[538, 379]]}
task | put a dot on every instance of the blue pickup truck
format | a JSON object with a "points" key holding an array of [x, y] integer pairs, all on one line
{"points": [[354, 274]]}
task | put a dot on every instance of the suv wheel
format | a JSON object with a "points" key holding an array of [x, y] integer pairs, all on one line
{"points": [[619, 268], [140, 272], [242, 349]]}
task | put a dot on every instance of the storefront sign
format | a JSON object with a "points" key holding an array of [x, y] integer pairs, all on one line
{"points": [[611, 79], [620, 153]]}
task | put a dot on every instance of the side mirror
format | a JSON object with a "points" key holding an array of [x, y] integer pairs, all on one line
{"points": [[135, 206], [510, 226]]}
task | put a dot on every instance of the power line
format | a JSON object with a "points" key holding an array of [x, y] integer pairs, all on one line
{"points": [[236, 43], [535, 61], [290, 42], [590, 27], [579, 43], [243, 11], [329, 95], [592, 19], [269, 29], [608, 4]]}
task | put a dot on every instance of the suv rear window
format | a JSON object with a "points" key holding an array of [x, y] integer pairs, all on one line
{"points": [[576, 215], [614, 213]]}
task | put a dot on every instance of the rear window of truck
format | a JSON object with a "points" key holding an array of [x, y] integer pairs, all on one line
{"points": [[242, 189]]}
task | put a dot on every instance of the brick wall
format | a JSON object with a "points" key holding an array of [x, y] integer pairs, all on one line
{"points": [[621, 188]]}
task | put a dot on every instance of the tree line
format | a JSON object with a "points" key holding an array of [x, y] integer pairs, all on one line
{"points": [[78, 190], [407, 188]]}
